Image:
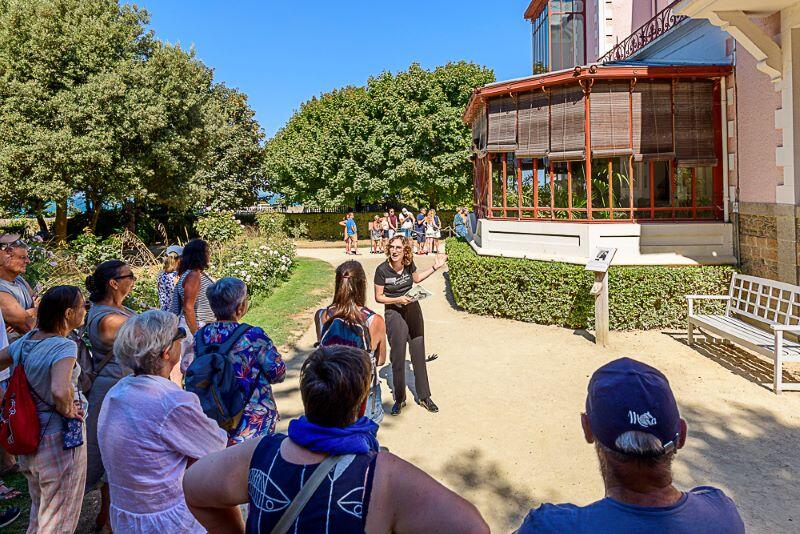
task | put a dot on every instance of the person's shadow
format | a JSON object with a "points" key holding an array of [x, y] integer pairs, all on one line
{"points": [[385, 373]]}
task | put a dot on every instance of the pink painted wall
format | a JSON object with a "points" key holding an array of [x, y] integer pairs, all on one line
{"points": [[756, 103]]}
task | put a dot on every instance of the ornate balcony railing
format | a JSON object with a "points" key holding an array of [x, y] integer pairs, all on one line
{"points": [[644, 35]]}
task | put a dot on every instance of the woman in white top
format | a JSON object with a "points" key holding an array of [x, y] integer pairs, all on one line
{"points": [[150, 430]]}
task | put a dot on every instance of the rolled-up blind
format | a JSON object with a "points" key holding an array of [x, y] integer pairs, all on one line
{"points": [[567, 123], [533, 119], [609, 105], [694, 123], [652, 120], [502, 124], [479, 131]]}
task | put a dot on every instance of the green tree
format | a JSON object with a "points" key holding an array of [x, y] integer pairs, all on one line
{"points": [[400, 137], [230, 174]]}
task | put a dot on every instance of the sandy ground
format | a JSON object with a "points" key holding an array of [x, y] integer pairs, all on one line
{"points": [[508, 435]]}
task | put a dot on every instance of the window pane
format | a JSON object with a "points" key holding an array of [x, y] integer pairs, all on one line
{"points": [[599, 184], [526, 169], [497, 181], [543, 183], [578, 185], [558, 38], [578, 57], [560, 189], [512, 195], [620, 180], [641, 185], [683, 186], [661, 183], [704, 189]]}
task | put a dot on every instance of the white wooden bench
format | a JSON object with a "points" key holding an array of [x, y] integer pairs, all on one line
{"points": [[758, 316]]}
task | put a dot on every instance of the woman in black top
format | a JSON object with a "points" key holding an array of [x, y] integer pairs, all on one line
{"points": [[404, 323]]}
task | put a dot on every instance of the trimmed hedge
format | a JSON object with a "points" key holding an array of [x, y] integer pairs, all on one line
{"points": [[325, 226], [640, 297]]}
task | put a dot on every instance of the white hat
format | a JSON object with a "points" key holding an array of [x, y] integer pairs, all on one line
{"points": [[175, 249]]}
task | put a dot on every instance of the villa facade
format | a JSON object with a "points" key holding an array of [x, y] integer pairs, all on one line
{"points": [[627, 135]]}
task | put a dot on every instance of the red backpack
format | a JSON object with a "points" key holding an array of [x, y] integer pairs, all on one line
{"points": [[19, 419]]}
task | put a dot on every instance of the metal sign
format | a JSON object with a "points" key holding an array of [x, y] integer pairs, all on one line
{"points": [[601, 260]]}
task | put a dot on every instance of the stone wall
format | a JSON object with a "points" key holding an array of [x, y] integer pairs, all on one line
{"points": [[768, 240]]}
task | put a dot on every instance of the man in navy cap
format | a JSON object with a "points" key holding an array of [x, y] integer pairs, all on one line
{"points": [[633, 421]]}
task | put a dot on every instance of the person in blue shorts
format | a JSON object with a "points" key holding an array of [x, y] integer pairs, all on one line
{"points": [[350, 234], [419, 230], [633, 421]]}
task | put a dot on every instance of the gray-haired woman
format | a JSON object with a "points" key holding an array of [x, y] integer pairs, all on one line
{"points": [[149, 429], [256, 362]]}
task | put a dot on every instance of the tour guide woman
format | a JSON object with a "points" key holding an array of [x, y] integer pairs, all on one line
{"points": [[404, 323]]}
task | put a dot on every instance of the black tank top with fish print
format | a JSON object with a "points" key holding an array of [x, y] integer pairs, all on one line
{"points": [[339, 505]]}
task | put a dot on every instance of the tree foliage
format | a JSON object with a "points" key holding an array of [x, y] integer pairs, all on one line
{"points": [[400, 137], [92, 103]]}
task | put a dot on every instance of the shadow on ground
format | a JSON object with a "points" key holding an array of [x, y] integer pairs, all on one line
{"points": [[739, 361], [480, 480]]}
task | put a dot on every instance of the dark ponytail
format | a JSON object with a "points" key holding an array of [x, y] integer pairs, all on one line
{"points": [[97, 282], [51, 315], [195, 256]]}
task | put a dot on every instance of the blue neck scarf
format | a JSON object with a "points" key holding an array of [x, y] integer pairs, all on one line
{"points": [[358, 438]]}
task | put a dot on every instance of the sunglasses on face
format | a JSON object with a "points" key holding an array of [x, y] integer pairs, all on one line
{"points": [[179, 334], [124, 276]]}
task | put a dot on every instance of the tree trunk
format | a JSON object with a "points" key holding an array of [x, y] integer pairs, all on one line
{"points": [[94, 212], [129, 210], [43, 228], [61, 220]]}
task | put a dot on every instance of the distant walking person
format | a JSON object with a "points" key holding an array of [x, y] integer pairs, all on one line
{"points": [[404, 322], [419, 228], [393, 223], [375, 235], [350, 234], [460, 222]]}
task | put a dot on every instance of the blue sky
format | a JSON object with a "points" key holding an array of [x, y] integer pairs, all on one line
{"points": [[282, 53]]}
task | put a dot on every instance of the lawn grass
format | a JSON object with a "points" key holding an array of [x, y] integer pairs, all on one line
{"points": [[282, 314], [17, 481]]}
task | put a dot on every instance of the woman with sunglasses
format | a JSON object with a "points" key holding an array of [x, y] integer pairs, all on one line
{"points": [[109, 285], [150, 430]]}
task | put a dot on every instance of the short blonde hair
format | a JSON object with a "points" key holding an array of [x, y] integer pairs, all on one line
{"points": [[142, 339], [171, 261]]}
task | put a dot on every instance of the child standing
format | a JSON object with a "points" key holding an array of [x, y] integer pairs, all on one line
{"points": [[375, 235]]}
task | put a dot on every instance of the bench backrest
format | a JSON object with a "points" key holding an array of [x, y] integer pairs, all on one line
{"points": [[764, 300]]}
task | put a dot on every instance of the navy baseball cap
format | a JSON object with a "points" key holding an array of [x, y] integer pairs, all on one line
{"points": [[627, 395]]}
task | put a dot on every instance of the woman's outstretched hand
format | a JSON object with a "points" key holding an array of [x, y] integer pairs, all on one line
{"points": [[441, 261]]}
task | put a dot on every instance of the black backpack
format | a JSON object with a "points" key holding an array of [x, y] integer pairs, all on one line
{"points": [[211, 377]]}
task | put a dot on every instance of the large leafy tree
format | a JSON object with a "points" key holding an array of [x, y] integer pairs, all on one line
{"points": [[92, 103], [400, 137]]}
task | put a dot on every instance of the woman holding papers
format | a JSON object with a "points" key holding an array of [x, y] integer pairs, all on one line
{"points": [[404, 324]]}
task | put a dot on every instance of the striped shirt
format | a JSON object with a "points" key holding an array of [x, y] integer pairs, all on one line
{"points": [[202, 308]]}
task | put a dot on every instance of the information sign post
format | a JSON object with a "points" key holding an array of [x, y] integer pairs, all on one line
{"points": [[599, 264]]}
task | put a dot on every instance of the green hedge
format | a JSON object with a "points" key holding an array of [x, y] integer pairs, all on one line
{"points": [[326, 225], [640, 298]]}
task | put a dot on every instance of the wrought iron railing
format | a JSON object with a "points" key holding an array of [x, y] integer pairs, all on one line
{"points": [[648, 32]]}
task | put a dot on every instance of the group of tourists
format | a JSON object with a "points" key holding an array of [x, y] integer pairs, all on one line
{"points": [[171, 411], [424, 229]]}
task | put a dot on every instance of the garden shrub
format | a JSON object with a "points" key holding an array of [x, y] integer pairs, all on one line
{"points": [[260, 265], [90, 250], [271, 223], [219, 227], [640, 297], [144, 295]]}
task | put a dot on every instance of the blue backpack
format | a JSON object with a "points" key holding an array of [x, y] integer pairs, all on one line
{"points": [[212, 378], [339, 331]]}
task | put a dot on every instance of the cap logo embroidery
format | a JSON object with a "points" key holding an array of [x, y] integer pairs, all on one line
{"points": [[644, 420]]}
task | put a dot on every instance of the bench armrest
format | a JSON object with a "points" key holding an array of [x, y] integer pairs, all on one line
{"points": [[691, 298], [785, 328]]}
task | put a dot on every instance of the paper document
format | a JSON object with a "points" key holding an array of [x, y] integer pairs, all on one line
{"points": [[418, 293]]}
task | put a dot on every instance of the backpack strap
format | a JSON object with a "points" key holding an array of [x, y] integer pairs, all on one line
{"points": [[306, 492]]}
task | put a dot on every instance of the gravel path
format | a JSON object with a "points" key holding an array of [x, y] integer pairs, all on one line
{"points": [[508, 433]]}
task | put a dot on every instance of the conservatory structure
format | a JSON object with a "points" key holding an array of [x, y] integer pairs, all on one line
{"points": [[625, 154]]}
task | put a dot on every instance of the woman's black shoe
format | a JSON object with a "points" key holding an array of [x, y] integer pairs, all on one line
{"points": [[398, 407], [429, 405]]}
